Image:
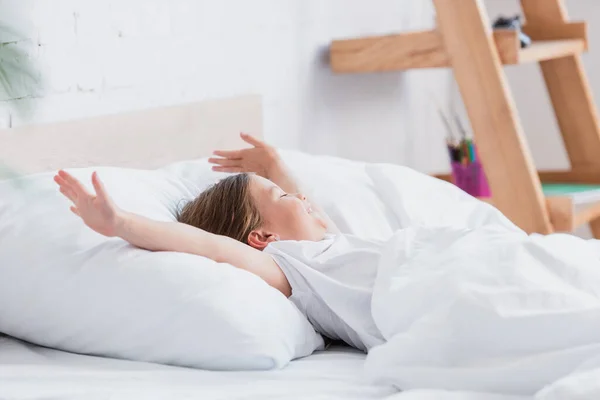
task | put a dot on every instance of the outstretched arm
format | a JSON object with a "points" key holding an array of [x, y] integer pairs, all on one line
{"points": [[99, 212], [263, 160]]}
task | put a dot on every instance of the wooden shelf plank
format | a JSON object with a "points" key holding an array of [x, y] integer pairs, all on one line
{"points": [[558, 31], [560, 211], [587, 215], [565, 217], [550, 49], [579, 175], [425, 49]]}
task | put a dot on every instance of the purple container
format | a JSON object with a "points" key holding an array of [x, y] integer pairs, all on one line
{"points": [[471, 178]]}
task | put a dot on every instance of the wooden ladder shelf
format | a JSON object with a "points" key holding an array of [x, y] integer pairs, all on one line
{"points": [[425, 49], [464, 41]]}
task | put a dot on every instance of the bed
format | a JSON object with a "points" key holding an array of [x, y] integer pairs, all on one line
{"points": [[28, 371], [373, 200]]}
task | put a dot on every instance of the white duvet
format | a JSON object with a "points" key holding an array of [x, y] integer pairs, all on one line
{"points": [[467, 301]]}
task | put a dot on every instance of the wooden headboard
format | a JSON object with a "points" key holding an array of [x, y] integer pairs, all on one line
{"points": [[140, 139]]}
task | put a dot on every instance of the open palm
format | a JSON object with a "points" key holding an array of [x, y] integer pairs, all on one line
{"points": [[261, 158], [97, 211]]}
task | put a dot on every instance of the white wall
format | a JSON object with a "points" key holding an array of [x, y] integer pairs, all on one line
{"points": [[105, 56]]}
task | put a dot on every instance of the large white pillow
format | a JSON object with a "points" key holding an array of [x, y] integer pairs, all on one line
{"points": [[64, 286], [347, 192], [342, 187]]}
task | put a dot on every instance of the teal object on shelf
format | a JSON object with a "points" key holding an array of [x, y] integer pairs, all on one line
{"points": [[564, 189]]}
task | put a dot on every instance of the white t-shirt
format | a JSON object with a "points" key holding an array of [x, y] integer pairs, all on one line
{"points": [[332, 283]]}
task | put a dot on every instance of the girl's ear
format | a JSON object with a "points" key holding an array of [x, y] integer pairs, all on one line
{"points": [[260, 239]]}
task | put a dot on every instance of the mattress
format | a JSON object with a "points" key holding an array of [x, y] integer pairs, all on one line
{"points": [[28, 371], [32, 372]]}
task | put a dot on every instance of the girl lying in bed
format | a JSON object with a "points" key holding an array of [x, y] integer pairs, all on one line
{"points": [[259, 221]]}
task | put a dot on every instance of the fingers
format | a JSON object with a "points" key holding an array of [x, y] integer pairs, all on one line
{"points": [[68, 193], [251, 140], [73, 184], [231, 154], [60, 181], [224, 162], [231, 170], [74, 211], [99, 186], [65, 188]]}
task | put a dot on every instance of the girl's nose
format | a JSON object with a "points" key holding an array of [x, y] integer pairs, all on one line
{"points": [[301, 196]]}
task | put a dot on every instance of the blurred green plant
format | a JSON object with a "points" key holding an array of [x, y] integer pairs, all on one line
{"points": [[19, 79], [19, 75]]}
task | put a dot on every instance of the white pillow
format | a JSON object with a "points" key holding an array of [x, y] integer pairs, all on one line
{"points": [[346, 192], [342, 187], [64, 286]]}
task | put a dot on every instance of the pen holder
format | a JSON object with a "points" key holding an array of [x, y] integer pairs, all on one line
{"points": [[470, 178]]}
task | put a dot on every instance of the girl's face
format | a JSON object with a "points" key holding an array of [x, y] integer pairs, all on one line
{"points": [[286, 216]]}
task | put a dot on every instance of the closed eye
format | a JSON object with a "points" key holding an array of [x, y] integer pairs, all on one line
{"points": [[283, 195]]}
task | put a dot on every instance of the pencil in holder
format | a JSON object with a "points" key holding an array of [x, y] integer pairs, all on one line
{"points": [[471, 178]]}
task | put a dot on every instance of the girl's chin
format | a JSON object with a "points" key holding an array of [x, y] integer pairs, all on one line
{"points": [[320, 220]]}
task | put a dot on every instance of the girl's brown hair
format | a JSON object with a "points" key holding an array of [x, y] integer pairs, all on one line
{"points": [[226, 208]]}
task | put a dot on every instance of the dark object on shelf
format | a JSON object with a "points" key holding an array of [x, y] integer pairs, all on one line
{"points": [[513, 23]]}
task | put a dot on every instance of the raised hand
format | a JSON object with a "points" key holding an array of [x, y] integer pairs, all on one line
{"points": [[96, 210], [261, 158]]}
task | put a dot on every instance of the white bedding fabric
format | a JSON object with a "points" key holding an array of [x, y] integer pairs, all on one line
{"points": [[28, 371], [31, 372], [467, 301]]}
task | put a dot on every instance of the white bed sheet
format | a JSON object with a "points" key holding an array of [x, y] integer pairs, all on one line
{"points": [[28, 371]]}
